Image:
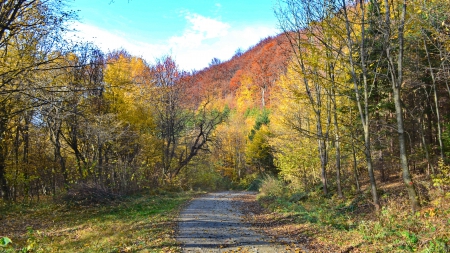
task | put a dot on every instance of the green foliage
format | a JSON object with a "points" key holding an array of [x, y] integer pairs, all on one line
{"points": [[438, 245], [36, 241], [298, 196], [226, 113], [206, 178], [393, 228], [251, 112], [259, 152], [4, 241], [252, 182], [446, 139], [261, 119]]}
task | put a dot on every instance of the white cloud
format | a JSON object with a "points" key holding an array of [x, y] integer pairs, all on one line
{"points": [[200, 29], [110, 40], [203, 39]]}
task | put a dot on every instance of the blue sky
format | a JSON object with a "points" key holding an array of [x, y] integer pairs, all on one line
{"points": [[192, 31]]}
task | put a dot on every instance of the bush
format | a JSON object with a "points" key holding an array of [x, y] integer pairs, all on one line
{"points": [[272, 187], [442, 179], [437, 246], [298, 196], [250, 182], [88, 194]]}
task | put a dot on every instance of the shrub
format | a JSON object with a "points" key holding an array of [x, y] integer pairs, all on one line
{"points": [[298, 196], [442, 179], [251, 182], [272, 187], [86, 194]]}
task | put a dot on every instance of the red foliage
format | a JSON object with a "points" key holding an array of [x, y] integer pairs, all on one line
{"points": [[263, 63]]}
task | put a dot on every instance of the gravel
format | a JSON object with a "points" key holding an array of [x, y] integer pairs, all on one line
{"points": [[214, 223]]}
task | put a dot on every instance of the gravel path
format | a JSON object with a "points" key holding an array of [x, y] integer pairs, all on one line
{"points": [[213, 223]]}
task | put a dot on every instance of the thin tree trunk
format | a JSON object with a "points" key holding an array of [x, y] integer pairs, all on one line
{"points": [[263, 94], [441, 56], [363, 110], [355, 164], [436, 103], [26, 145], [323, 165], [425, 146], [100, 162], [338, 145], [397, 80], [16, 162], [3, 151]]}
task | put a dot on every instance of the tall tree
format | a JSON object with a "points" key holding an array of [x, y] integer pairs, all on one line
{"points": [[30, 33], [396, 71], [178, 121]]}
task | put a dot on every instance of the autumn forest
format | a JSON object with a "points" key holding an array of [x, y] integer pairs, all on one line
{"points": [[350, 98]]}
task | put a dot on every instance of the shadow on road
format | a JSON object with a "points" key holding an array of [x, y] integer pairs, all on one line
{"points": [[213, 223]]}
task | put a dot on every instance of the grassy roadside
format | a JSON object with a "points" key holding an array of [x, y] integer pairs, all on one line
{"points": [[135, 224], [330, 224]]}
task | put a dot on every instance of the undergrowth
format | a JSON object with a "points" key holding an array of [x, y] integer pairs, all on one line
{"points": [[352, 223], [143, 223]]}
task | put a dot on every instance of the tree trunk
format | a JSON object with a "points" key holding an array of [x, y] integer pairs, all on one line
{"points": [[436, 103], [263, 100], [355, 164], [337, 144], [3, 182], [323, 165], [397, 80], [425, 146], [363, 108]]}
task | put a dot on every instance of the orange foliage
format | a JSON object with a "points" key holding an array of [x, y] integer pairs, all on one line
{"points": [[263, 63]]}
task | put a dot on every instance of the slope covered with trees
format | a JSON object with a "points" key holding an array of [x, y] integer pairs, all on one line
{"points": [[363, 82], [327, 95], [349, 98]]}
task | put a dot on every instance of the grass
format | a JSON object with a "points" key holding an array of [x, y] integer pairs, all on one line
{"points": [[135, 224], [330, 224]]}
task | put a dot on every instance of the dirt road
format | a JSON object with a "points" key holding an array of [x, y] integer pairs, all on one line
{"points": [[213, 223]]}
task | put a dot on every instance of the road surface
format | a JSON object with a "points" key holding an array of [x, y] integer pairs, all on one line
{"points": [[214, 223]]}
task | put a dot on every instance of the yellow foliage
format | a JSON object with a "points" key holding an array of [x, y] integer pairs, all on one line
{"points": [[128, 87], [442, 179], [246, 94], [231, 147]]}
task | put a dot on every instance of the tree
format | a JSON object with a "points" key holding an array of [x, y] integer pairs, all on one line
{"points": [[396, 77], [259, 153], [215, 61], [177, 121], [300, 24], [228, 153], [30, 35], [361, 87]]}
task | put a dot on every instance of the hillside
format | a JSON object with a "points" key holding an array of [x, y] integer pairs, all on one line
{"points": [[250, 74]]}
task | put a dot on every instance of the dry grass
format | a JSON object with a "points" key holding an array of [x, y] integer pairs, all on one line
{"points": [[351, 225], [136, 224]]}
